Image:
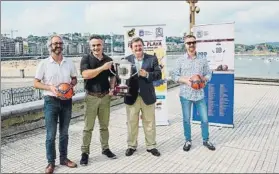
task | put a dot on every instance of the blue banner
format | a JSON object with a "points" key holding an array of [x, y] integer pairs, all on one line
{"points": [[219, 97]]}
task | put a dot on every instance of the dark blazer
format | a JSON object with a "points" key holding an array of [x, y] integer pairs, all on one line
{"points": [[147, 90]]}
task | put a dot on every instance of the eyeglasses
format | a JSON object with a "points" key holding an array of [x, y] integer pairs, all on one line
{"points": [[57, 43], [97, 45], [189, 43]]}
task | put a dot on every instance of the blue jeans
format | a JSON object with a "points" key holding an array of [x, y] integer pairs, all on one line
{"points": [[186, 111], [55, 109]]}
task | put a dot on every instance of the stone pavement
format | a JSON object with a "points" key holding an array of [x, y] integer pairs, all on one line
{"points": [[252, 146]]}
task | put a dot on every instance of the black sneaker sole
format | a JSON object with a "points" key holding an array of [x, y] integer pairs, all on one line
{"points": [[113, 157], [149, 151], [186, 149], [212, 149], [134, 150], [82, 164]]}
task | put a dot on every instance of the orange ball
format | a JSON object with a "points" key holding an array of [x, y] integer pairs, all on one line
{"points": [[197, 82], [65, 91]]}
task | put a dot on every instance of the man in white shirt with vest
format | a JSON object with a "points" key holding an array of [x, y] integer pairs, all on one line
{"points": [[51, 72]]}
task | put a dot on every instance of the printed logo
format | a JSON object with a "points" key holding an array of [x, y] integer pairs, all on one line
{"points": [[199, 34], [131, 32], [159, 32], [141, 33]]}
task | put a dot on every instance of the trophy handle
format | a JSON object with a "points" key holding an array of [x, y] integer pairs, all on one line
{"points": [[112, 72], [133, 65], [115, 67], [135, 74]]}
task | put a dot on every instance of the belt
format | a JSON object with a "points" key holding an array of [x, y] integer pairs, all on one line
{"points": [[98, 94]]}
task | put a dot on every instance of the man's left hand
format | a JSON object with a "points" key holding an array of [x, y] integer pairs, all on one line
{"points": [[143, 73], [74, 81], [203, 78], [111, 92]]}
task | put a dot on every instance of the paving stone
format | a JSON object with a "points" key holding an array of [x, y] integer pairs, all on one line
{"points": [[251, 146]]}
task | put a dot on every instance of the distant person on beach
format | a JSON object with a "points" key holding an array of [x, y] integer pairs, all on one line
{"points": [[186, 67], [95, 69], [143, 98], [51, 72]]}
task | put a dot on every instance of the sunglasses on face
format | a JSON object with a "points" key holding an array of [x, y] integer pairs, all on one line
{"points": [[57, 43], [189, 43]]}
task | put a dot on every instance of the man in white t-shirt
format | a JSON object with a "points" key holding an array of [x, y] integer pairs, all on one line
{"points": [[51, 72]]}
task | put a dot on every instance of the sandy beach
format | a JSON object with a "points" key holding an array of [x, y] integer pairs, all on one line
{"points": [[7, 83], [12, 68], [11, 75]]}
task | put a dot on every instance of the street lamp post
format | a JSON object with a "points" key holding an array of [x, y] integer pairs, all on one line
{"points": [[192, 11]]}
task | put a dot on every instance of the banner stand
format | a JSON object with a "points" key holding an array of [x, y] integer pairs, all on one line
{"points": [[215, 42], [154, 40], [215, 124]]}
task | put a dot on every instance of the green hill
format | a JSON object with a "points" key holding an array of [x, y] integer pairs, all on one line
{"points": [[268, 47]]}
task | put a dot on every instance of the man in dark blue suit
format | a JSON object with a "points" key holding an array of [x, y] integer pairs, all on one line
{"points": [[142, 98]]}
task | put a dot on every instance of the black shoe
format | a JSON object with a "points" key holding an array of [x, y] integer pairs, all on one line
{"points": [[130, 151], [209, 145], [109, 154], [84, 159], [187, 146], [154, 152]]}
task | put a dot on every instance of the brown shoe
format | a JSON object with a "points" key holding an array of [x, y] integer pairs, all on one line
{"points": [[50, 168], [68, 163]]}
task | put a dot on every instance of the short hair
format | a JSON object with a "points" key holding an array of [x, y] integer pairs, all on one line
{"points": [[51, 37], [95, 37], [189, 36], [50, 40], [136, 39]]}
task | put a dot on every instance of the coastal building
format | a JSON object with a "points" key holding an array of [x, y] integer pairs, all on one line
{"points": [[86, 47], [118, 49], [19, 48], [7, 46], [86, 34], [73, 48], [174, 46], [119, 38], [66, 47], [25, 47], [33, 48], [80, 48], [45, 49], [42, 49]]}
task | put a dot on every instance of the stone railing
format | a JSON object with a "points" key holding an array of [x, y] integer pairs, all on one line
{"points": [[24, 117]]}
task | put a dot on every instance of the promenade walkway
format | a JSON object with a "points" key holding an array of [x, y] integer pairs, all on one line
{"points": [[252, 146]]}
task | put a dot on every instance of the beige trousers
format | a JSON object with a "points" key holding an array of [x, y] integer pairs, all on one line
{"points": [[148, 122], [96, 107]]}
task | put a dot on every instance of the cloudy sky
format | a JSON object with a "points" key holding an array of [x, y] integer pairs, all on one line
{"points": [[255, 21]]}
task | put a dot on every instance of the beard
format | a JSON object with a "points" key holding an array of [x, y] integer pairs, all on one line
{"points": [[57, 50]]}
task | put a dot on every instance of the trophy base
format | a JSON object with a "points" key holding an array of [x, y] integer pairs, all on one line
{"points": [[122, 90]]}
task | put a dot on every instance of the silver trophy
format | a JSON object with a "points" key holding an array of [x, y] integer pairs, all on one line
{"points": [[123, 70]]}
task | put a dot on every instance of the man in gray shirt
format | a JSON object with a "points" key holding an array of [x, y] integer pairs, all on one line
{"points": [[187, 66]]}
